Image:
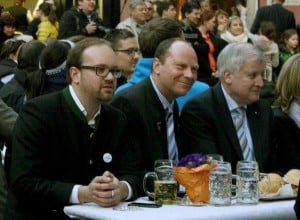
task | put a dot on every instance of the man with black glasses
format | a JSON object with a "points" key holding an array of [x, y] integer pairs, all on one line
{"points": [[69, 146]]}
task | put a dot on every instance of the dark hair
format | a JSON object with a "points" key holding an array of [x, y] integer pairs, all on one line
{"points": [[286, 35], [29, 55], [268, 29], [74, 58], [163, 6], [48, 11], [188, 7], [10, 46], [162, 50], [8, 20], [116, 35], [51, 62], [155, 31]]}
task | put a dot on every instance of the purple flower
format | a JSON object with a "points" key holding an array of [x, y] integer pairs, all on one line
{"points": [[192, 160]]}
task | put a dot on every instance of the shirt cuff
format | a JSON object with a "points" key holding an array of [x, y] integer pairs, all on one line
{"points": [[74, 195], [129, 190]]}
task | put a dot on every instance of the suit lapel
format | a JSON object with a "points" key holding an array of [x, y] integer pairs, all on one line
{"points": [[225, 119]]}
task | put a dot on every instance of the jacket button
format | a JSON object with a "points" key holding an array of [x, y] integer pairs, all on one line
{"points": [[91, 162]]}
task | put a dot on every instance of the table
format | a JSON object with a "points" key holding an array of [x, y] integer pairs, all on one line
{"points": [[281, 210]]}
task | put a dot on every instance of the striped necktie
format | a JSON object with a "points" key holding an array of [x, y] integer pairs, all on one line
{"points": [[172, 146], [239, 120]]}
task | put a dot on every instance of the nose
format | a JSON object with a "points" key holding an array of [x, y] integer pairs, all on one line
{"points": [[190, 73], [259, 81]]}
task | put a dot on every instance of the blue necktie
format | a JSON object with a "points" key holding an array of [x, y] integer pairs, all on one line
{"points": [[238, 116], [172, 148]]}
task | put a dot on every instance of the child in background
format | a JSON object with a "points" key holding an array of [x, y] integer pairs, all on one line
{"points": [[289, 45], [48, 28]]}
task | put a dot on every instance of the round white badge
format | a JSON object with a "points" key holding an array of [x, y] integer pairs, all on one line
{"points": [[107, 157]]}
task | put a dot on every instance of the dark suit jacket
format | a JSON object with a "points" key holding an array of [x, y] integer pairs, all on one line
{"points": [[54, 148], [146, 117], [282, 18], [206, 126], [7, 122], [287, 136]]}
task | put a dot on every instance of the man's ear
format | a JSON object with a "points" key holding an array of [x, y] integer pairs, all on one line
{"points": [[227, 77], [156, 66], [75, 75]]}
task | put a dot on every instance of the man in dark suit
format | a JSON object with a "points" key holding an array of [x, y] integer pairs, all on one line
{"points": [[7, 120], [146, 104], [208, 120], [70, 147], [281, 17]]}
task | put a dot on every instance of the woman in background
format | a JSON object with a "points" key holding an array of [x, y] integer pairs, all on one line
{"points": [[48, 28], [287, 115]]}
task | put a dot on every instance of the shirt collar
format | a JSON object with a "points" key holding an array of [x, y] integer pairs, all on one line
{"points": [[166, 104], [230, 101], [91, 122]]}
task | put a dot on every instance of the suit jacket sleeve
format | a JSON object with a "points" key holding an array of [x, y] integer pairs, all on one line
{"points": [[200, 139]]}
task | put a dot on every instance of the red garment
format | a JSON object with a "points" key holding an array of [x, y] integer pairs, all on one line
{"points": [[212, 61]]}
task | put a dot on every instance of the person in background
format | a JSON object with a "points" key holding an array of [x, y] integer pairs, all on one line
{"points": [[72, 151], [48, 28], [230, 119], [9, 59], [281, 17], [13, 93], [235, 31], [51, 75], [22, 14], [286, 109], [137, 17], [8, 25], [150, 10], [288, 46], [208, 48], [150, 105], [221, 21], [33, 25], [204, 6], [7, 120], [166, 9], [81, 19], [127, 50]]}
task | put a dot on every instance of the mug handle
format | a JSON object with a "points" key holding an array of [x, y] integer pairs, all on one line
{"points": [[234, 188], [147, 175]]}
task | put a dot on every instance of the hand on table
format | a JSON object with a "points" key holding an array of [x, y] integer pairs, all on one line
{"points": [[105, 190]]}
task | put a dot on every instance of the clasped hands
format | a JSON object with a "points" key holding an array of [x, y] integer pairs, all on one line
{"points": [[105, 190]]}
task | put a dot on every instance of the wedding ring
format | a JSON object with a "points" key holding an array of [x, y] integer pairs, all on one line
{"points": [[112, 194]]}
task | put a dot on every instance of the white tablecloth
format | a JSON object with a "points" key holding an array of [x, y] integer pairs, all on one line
{"points": [[281, 210]]}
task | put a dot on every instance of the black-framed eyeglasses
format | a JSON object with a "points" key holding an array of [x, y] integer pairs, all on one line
{"points": [[130, 51], [102, 71]]}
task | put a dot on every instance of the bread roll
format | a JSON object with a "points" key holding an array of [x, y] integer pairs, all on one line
{"points": [[270, 184], [293, 177]]}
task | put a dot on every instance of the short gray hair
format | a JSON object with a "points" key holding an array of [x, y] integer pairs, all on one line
{"points": [[234, 55], [135, 3]]}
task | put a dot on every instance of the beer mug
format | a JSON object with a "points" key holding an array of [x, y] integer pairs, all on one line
{"points": [[220, 184], [248, 191], [165, 185]]}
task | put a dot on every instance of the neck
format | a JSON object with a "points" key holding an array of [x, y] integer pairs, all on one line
{"points": [[91, 106]]}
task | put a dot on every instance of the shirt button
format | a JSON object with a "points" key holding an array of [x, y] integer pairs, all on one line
{"points": [[92, 135]]}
